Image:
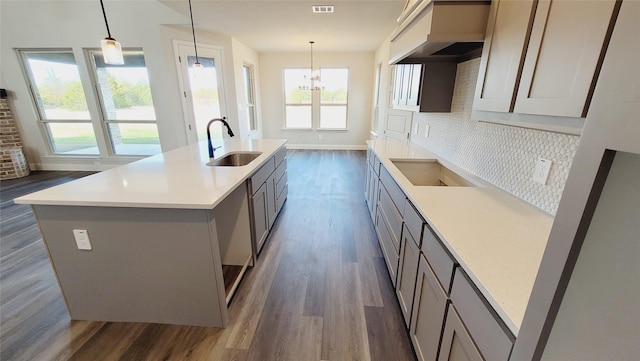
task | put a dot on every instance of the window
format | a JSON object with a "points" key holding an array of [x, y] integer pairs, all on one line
{"points": [[59, 97], [297, 101], [127, 107], [249, 88], [326, 108], [333, 98]]}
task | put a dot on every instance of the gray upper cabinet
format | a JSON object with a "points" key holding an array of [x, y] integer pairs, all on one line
{"points": [[543, 57], [502, 55], [564, 56]]}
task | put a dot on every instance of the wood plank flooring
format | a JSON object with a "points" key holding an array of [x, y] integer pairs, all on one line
{"points": [[319, 290]]}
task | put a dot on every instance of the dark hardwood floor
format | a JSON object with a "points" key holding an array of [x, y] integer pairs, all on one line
{"points": [[319, 291]]}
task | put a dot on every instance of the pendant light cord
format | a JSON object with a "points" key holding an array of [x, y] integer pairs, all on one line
{"points": [[105, 19], [311, 42], [193, 31]]}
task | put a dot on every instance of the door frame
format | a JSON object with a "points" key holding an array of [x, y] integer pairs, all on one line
{"points": [[181, 49]]}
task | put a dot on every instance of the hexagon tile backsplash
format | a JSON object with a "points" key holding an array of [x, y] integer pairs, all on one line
{"points": [[502, 155]]}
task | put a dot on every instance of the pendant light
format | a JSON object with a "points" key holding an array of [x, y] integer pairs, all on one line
{"points": [[111, 49], [193, 31], [312, 82]]}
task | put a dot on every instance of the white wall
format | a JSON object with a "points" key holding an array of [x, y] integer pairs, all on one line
{"points": [[360, 95], [79, 25]]}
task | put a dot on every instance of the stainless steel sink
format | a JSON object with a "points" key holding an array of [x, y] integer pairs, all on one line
{"points": [[423, 172], [234, 159]]}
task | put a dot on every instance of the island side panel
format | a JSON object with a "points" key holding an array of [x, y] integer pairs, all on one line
{"points": [[145, 265]]}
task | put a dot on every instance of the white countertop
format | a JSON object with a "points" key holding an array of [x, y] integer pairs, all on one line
{"points": [[176, 179], [497, 238]]}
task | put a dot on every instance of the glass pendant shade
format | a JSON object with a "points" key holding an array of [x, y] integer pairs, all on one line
{"points": [[112, 51]]}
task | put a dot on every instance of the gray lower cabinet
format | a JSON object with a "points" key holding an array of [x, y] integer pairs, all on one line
{"points": [[429, 308], [457, 344], [447, 317], [268, 189], [490, 335], [407, 271], [260, 221]]}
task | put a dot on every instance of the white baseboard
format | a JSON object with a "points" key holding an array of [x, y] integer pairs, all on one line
{"points": [[327, 146]]}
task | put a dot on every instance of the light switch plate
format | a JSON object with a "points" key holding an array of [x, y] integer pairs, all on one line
{"points": [[541, 171], [82, 239], [426, 131]]}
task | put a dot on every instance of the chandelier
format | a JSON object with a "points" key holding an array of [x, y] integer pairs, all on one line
{"points": [[312, 82]]}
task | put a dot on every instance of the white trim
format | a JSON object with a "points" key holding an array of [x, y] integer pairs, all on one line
{"points": [[327, 146]]}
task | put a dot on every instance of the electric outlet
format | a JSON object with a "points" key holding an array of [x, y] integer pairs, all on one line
{"points": [[426, 131], [320, 136], [541, 171], [416, 128], [82, 239]]}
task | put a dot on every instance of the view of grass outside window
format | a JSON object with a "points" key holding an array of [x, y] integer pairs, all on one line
{"points": [[61, 102], [333, 98], [302, 107], [297, 101], [125, 97]]}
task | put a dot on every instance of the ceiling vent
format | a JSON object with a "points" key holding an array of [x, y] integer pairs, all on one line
{"points": [[322, 9]]}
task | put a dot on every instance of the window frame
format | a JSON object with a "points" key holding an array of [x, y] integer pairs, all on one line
{"points": [[284, 93], [316, 103], [43, 122], [105, 122], [248, 73], [345, 104]]}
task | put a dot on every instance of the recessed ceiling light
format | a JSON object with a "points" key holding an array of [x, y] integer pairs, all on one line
{"points": [[322, 9]]}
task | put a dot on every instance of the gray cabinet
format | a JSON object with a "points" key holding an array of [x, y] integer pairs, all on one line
{"points": [[427, 317], [407, 270], [545, 67], [424, 87], [406, 87], [268, 190], [457, 344], [260, 217], [490, 336]]}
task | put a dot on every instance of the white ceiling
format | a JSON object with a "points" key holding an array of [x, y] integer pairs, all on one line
{"points": [[289, 25]]}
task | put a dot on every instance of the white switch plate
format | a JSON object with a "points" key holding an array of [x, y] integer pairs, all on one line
{"points": [[416, 128], [541, 171], [82, 239], [426, 131]]}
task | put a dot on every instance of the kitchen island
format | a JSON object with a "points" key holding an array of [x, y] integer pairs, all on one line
{"points": [[151, 241]]}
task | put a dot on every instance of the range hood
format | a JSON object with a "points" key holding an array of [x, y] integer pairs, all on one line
{"points": [[439, 29]]}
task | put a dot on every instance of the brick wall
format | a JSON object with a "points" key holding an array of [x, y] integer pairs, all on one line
{"points": [[13, 163]]}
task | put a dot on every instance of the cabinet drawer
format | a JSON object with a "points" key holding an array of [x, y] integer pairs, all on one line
{"points": [[261, 175], [280, 156], [281, 184], [488, 332], [413, 222], [438, 258], [390, 254], [397, 195], [281, 197], [391, 216], [281, 170]]}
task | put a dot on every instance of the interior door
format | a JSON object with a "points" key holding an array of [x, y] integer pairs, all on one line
{"points": [[202, 89]]}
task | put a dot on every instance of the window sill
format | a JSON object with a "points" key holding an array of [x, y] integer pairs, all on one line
{"points": [[318, 129]]}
